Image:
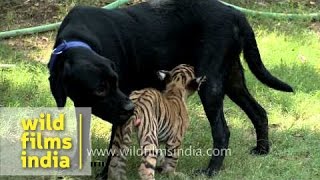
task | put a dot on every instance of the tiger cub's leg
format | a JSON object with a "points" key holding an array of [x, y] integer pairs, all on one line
{"points": [[171, 157], [148, 140], [119, 150]]}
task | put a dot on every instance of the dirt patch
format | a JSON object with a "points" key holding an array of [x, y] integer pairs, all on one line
{"points": [[28, 13], [15, 14], [35, 48]]}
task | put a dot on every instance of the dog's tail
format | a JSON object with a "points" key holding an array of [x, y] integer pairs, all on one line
{"points": [[252, 57]]}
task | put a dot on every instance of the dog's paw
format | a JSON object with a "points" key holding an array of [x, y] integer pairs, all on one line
{"points": [[159, 169], [101, 176], [259, 150], [207, 172], [165, 170]]}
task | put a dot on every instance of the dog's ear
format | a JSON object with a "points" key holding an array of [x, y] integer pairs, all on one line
{"points": [[163, 74], [56, 84], [196, 83], [57, 90]]}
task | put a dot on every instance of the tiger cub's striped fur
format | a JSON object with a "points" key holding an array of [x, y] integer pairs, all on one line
{"points": [[158, 117]]}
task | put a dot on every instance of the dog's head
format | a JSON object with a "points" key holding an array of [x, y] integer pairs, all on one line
{"points": [[90, 80]]}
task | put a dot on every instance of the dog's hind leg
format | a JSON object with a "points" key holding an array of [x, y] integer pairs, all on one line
{"points": [[211, 95], [237, 91], [211, 64]]}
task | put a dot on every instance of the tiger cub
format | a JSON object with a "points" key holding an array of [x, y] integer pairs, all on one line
{"points": [[158, 117]]}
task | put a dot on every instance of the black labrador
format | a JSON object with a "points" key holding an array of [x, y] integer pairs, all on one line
{"points": [[103, 55]]}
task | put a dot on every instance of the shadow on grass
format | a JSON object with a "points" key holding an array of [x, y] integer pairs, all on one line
{"points": [[290, 149], [294, 155], [303, 77]]}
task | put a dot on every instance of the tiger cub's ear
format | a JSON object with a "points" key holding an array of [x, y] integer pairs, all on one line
{"points": [[196, 83], [163, 74]]}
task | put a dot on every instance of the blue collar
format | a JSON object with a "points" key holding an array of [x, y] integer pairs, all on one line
{"points": [[63, 47]]}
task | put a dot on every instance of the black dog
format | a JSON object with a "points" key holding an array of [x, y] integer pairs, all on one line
{"points": [[110, 53]]}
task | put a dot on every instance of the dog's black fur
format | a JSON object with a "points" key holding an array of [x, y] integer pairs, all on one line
{"points": [[131, 44]]}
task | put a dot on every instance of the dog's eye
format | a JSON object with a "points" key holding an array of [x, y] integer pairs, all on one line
{"points": [[101, 90]]}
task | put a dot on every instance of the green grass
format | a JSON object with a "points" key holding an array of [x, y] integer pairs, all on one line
{"points": [[290, 50], [279, 6]]}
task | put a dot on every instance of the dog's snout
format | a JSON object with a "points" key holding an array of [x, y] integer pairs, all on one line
{"points": [[127, 111], [128, 107]]}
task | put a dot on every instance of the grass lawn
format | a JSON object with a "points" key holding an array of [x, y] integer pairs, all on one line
{"points": [[289, 49]]}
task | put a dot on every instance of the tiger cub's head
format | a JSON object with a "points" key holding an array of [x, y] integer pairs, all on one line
{"points": [[181, 79]]}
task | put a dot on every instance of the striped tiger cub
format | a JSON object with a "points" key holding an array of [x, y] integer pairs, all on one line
{"points": [[158, 117]]}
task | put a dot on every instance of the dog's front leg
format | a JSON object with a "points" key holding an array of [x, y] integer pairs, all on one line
{"points": [[85, 133], [104, 173]]}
